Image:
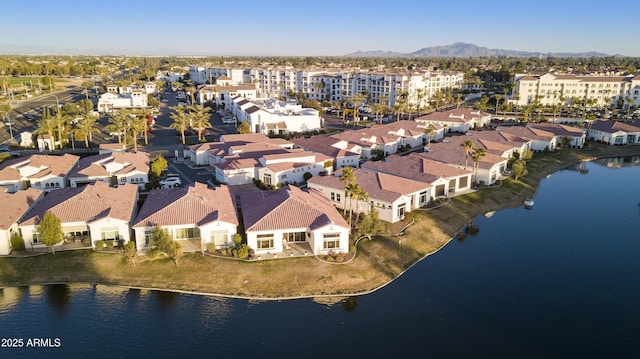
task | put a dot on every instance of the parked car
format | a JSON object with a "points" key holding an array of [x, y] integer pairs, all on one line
{"points": [[228, 120], [169, 182]]}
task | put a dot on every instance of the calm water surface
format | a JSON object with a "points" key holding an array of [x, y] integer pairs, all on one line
{"points": [[560, 280]]}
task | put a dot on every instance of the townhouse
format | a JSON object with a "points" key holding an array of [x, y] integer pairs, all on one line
{"points": [[123, 98], [275, 117], [92, 213], [194, 213], [222, 95], [615, 132], [459, 120], [115, 168], [445, 180], [554, 88], [44, 172], [271, 228], [14, 207], [392, 196]]}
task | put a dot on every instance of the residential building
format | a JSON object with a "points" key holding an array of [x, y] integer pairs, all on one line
{"points": [[270, 226], [14, 207], [275, 117], [341, 152], [115, 168], [554, 88], [122, 98], [194, 213], [445, 180], [43, 172], [614, 132], [392, 196], [458, 120], [222, 95], [92, 213]]}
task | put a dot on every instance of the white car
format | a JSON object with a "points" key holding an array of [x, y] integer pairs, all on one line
{"points": [[170, 181], [228, 120]]}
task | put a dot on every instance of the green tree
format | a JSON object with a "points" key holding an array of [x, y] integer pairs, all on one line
{"points": [[180, 120], [130, 253], [477, 155], [371, 224], [137, 125], [200, 118], [429, 131], [50, 230], [5, 110], [348, 177], [244, 127], [161, 243], [482, 103], [360, 195], [519, 169], [62, 122], [118, 123], [85, 128], [467, 146], [47, 126]]}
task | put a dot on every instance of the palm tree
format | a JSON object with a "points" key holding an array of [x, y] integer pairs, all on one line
{"points": [[498, 98], [137, 125], [62, 123], [361, 195], [477, 154], [86, 127], [429, 130], [180, 120], [467, 146], [630, 101], [347, 177], [47, 125], [191, 91], [357, 100], [350, 191], [118, 124], [200, 118], [420, 94], [145, 114]]}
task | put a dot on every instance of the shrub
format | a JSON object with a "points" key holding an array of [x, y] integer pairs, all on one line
{"points": [[110, 244], [223, 251], [211, 248], [237, 239], [340, 258], [100, 245], [242, 251], [17, 242], [120, 243], [330, 259], [307, 176]]}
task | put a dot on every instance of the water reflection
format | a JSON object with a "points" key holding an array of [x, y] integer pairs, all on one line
{"points": [[619, 162], [165, 299], [58, 297], [349, 304], [10, 296], [469, 229]]}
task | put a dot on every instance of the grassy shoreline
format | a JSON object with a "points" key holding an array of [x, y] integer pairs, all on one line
{"points": [[376, 264]]}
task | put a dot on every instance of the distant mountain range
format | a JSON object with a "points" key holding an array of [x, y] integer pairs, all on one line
{"points": [[461, 49]]}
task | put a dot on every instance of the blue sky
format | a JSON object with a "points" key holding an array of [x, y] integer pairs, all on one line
{"points": [[318, 28]]}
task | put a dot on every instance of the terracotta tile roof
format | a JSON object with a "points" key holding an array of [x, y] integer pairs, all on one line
{"points": [[324, 144], [272, 210], [556, 129], [37, 166], [13, 206], [458, 115], [86, 204], [415, 166], [196, 204], [611, 126], [109, 164], [453, 154], [378, 185], [248, 137]]}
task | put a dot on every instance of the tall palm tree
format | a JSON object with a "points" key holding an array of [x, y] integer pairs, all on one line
{"points": [[85, 128], [347, 177], [200, 119], [467, 146], [137, 125], [429, 130], [357, 100], [477, 155], [498, 98], [361, 195], [62, 122], [47, 125], [118, 123], [180, 120], [420, 94], [350, 191]]}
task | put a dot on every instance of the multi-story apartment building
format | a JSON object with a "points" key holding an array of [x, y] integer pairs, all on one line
{"points": [[551, 88], [337, 85]]}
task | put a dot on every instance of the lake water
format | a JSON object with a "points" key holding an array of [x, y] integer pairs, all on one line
{"points": [[559, 280]]}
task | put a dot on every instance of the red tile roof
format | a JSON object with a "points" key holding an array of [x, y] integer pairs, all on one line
{"points": [[122, 162], [40, 166], [14, 206], [88, 203], [196, 204], [288, 208]]}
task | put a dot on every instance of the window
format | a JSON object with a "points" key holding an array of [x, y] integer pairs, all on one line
{"points": [[264, 241], [294, 237], [331, 240], [109, 233], [267, 179], [219, 239], [147, 235], [335, 197], [35, 237], [423, 197], [187, 233]]}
